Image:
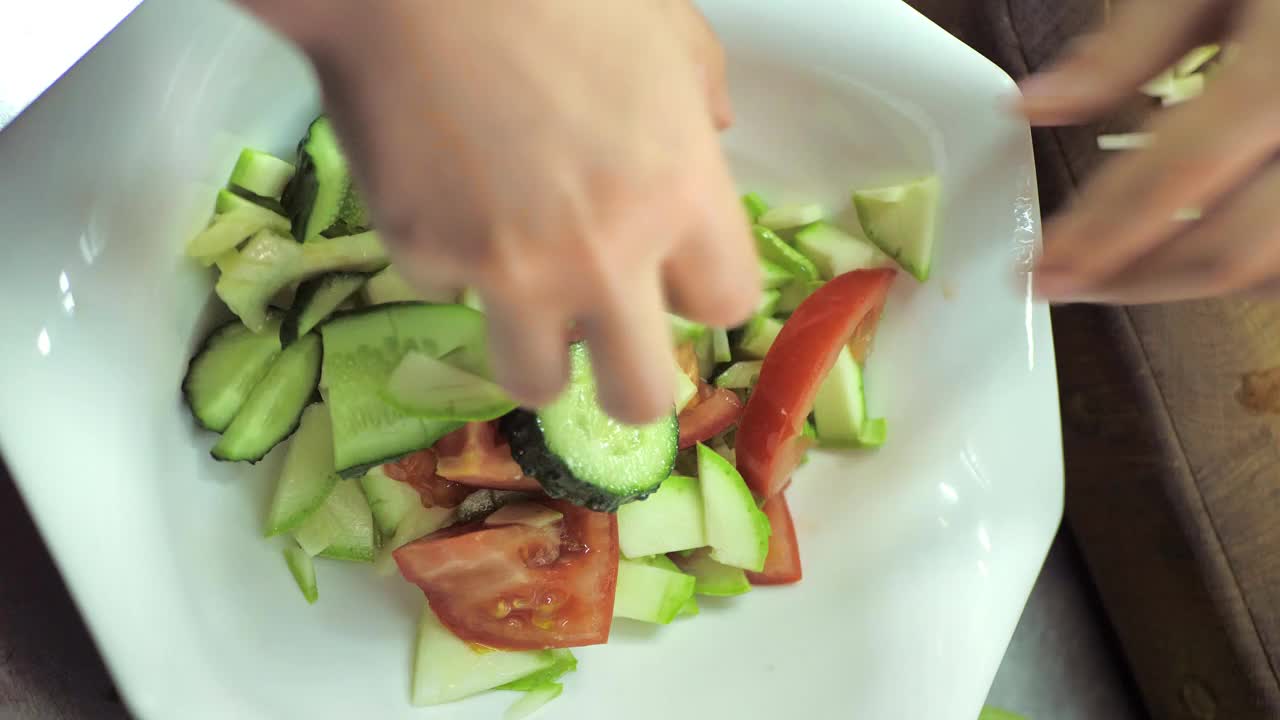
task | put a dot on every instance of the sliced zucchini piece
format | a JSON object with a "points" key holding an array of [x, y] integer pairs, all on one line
{"points": [[270, 262], [579, 453], [229, 229], [261, 173], [362, 349], [272, 410], [836, 252], [786, 217], [740, 375], [685, 331], [303, 569], [737, 530], [758, 336], [713, 578], [754, 205], [840, 407], [342, 527], [446, 669], [902, 221], [321, 199], [307, 477], [389, 286], [773, 275], [795, 293], [650, 593], [316, 300], [720, 350], [667, 521], [775, 250], [429, 388], [227, 368], [229, 199]]}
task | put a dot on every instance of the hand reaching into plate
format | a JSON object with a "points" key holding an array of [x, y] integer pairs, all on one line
{"points": [[1121, 241]]}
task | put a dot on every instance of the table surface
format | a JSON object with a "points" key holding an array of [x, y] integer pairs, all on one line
{"points": [[1061, 664]]}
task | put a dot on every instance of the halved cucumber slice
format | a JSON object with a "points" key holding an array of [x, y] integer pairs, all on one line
{"points": [[713, 578], [775, 250], [227, 368], [389, 286], [272, 410], [650, 593], [308, 476], [231, 228], [389, 500], [840, 408], [740, 375], [786, 217], [579, 453], [754, 205], [836, 252], [773, 275], [426, 387], [737, 530], [795, 293], [341, 528], [261, 173], [316, 300], [532, 701], [758, 336], [303, 569], [902, 221]]}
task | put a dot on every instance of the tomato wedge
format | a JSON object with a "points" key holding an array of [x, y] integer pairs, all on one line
{"points": [[782, 565], [478, 456], [517, 587], [419, 471], [711, 413], [794, 367]]}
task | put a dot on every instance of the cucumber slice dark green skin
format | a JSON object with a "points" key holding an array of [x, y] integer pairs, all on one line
{"points": [[225, 370], [316, 300], [320, 198], [273, 410], [567, 462]]}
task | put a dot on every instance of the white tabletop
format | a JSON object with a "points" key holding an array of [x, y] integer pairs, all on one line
{"points": [[40, 40]]}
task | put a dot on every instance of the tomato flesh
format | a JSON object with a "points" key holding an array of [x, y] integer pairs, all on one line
{"points": [[476, 455], [712, 412], [794, 368], [418, 470], [517, 587], [782, 565]]}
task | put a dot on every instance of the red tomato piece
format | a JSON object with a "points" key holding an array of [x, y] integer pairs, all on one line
{"points": [[782, 565], [419, 470], [714, 411], [517, 587], [794, 367], [476, 455]]}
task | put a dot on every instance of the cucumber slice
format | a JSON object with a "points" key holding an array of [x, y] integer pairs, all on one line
{"points": [[308, 476], [389, 500], [272, 410], [229, 199], [685, 331], [426, 387], [836, 252], [341, 528], [737, 530], [533, 701], [224, 372], [786, 217], [795, 293], [417, 522], [686, 390], [690, 608], [303, 569], [758, 336], [754, 205], [773, 275], [229, 229], [667, 521], [446, 669], [650, 593], [563, 664], [740, 375], [389, 286], [321, 197], [361, 351], [316, 300], [713, 578], [901, 220], [261, 174], [270, 262], [775, 250], [840, 408], [581, 454]]}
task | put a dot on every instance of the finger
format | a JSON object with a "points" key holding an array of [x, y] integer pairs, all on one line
{"points": [[1103, 69], [1234, 249], [630, 343], [710, 56], [712, 276], [1195, 158], [527, 348]]}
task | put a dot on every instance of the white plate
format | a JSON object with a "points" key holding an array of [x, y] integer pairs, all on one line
{"points": [[918, 558]]}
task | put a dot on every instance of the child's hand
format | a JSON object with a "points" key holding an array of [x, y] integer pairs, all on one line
{"points": [[1119, 242], [561, 156]]}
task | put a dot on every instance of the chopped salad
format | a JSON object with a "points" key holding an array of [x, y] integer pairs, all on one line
{"points": [[529, 531]]}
